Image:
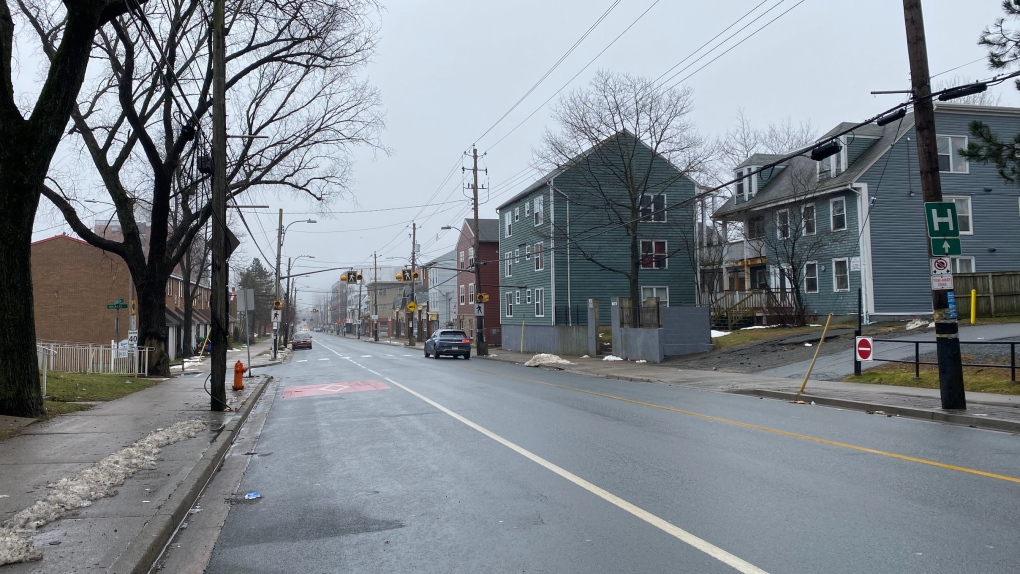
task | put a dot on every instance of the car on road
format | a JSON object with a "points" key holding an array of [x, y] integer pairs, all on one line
{"points": [[448, 342], [301, 341]]}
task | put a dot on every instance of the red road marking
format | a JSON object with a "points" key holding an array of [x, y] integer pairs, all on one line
{"points": [[334, 388]]}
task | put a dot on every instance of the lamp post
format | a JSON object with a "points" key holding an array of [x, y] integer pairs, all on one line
{"points": [[286, 300], [281, 233]]}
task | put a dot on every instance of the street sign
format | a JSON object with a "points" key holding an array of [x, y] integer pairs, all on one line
{"points": [[946, 246], [940, 266], [277, 315], [951, 297], [479, 309], [246, 300], [412, 307], [121, 305], [941, 219], [433, 316], [118, 301], [375, 317], [941, 282], [132, 338], [865, 347]]}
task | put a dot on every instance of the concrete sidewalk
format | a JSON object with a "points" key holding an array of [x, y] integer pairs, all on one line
{"points": [[126, 531], [984, 410]]}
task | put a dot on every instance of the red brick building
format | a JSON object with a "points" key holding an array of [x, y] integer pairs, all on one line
{"points": [[73, 282], [466, 288]]}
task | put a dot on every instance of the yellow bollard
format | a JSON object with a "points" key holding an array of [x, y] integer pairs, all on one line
{"points": [[973, 306]]}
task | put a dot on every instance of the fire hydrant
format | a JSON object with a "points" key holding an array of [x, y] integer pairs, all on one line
{"points": [[239, 370]]}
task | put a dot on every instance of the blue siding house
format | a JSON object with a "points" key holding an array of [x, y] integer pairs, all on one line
{"points": [[564, 240], [815, 232]]}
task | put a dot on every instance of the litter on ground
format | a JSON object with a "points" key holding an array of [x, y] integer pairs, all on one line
{"points": [[252, 496], [546, 359]]}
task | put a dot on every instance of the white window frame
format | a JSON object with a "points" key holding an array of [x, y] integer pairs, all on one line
{"points": [[665, 253], [527, 252], [539, 257], [461, 259], [461, 289], [471, 292], [663, 301], [966, 164], [517, 255], [832, 214], [779, 225], [654, 215], [956, 264], [969, 200], [835, 282], [527, 209], [508, 264], [517, 297], [813, 219], [539, 210], [509, 299], [517, 214], [527, 296], [807, 276], [471, 256], [540, 302], [509, 224]]}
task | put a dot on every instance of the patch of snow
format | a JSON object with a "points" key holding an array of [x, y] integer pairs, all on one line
{"points": [[917, 323], [611, 358], [641, 361], [546, 359], [97, 481], [585, 357], [719, 333], [807, 344], [758, 327]]}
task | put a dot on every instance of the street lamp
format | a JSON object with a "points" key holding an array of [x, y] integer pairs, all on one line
{"points": [[279, 250], [480, 346], [289, 327]]}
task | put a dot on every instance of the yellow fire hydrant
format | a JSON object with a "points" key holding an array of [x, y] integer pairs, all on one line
{"points": [[239, 370]]}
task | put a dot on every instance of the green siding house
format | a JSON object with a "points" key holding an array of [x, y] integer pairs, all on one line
{"points": [[566, 238]]}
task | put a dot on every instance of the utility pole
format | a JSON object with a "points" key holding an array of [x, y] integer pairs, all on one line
{"points": [[947, 341], [410, 315], [359, 306], [286, 304], [219, 303], [375, 296], [279, 249], [482, 347]]}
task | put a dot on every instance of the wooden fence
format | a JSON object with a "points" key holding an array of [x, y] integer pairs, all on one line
{"points": [[998, 293]]}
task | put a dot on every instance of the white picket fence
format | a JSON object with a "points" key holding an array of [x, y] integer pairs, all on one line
{"points": [[88, 358]]}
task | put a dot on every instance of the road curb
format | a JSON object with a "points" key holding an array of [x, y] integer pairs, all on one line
{"points": [[922, 414], [147, 546]]}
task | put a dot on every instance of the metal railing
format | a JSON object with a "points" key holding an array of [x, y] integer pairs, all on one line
{"points": [[88, 358], [917, 362]]}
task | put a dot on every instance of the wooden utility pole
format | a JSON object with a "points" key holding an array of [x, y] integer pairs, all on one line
{"points": [[375, 296], [219, 303], [947, 340], [410, 314], [279, 250], [482, 348]]}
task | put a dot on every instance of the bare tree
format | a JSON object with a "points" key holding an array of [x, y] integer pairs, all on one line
{"points": [[631, 140], [293, 96], [29, 136]]}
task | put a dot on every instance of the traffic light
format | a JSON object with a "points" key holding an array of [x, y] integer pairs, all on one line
{"points": [[406, 276], [351, 277], [481, 298], [277, 304]]}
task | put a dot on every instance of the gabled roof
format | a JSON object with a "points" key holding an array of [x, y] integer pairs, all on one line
{"points": [[781, 188], [61, 236], [488, 229], [451, 256], [759, 159]]}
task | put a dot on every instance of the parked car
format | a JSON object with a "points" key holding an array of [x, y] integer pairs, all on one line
{"points": [[301, 341], [448, 342]]}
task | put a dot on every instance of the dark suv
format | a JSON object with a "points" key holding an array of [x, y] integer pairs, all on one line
{"points": [[448, 342]]}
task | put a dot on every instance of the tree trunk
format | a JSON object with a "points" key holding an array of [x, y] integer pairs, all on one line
{"points": [[152, 323], [189, 313], [20, 391]]}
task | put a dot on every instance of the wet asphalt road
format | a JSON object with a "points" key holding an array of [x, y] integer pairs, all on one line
{"points": [[481, 466]]}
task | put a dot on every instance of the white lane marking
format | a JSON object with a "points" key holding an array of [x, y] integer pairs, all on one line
{"points": [[407, 355], [324, 359], [712, 550], [198, 375], [302, 360], [366, 356]]}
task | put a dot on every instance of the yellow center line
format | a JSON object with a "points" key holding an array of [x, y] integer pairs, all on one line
{"points": [[767, 429]]}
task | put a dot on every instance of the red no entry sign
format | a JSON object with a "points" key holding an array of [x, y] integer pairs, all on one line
{"points": [[865, 349]]}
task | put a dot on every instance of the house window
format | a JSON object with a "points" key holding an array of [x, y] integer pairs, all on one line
{"points": [[811, 277], [807, 216], [527, 209], [950, 160], [471, 256], [461, 259], [658, 291], [517, 214], [539, 262], [963, 213], [517, 297], [509, 224], [527, 296], [746, 185], [653, 207], [824, 169], [837, 211], [963, 264], [462, 295], [471, 292], [653, 254], [540, 302], [508, 264], [527, 252], [509, 304], [755, 228], [517, 255], [539, 210], [783, 224], [840, 274]]}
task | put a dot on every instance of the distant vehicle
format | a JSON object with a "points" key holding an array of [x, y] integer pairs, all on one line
{"points": [[301, 341], [448, 342]]}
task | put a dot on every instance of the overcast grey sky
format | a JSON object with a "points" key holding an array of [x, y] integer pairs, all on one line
{"points": [[449, 69]]}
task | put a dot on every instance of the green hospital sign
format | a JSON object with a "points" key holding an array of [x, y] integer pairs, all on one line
{"points": [[941, 218]]}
